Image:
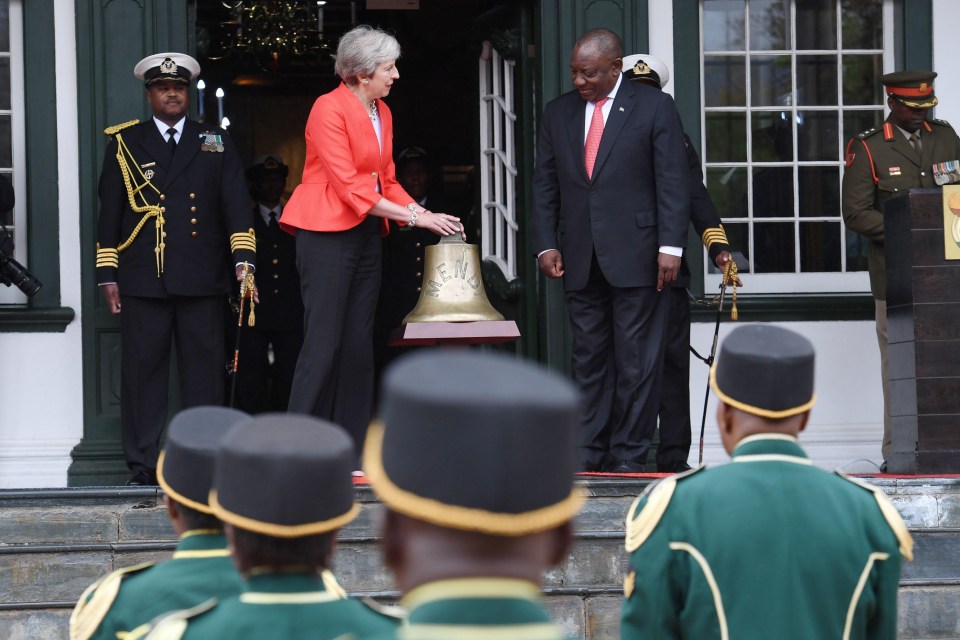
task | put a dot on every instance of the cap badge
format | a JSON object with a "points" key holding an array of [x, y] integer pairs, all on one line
{"points": [[168, 66], [641, 68], [923, 87], [271, 163]]}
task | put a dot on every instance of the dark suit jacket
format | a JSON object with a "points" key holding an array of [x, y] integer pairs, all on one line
{"points": [[638, 199], [703, 215], [204, 196], [278, 282]]}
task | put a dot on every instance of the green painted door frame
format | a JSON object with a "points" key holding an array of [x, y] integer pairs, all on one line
{"points": [[111, 38]]}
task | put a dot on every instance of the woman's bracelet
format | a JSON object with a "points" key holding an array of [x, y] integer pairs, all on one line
{"points": [[413, 215]]}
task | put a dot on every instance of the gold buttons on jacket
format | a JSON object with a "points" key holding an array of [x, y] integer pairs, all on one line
{"points": [[194, 234], [193, 209], [275, 261], [163, 197], [193, 196], [193, 221]]}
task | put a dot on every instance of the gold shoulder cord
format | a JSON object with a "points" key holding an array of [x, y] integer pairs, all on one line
{"points": [[133, 193], [730, 277]]}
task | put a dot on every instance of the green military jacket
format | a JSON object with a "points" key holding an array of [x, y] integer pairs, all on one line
{"points": [[880, 165], [768, 546], [281, 606], [128, 598], [487, 608]]}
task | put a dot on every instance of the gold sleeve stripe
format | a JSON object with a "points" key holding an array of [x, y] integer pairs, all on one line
{"points": [[714, 235], [890, 513], [243, 240], [107, 257]]}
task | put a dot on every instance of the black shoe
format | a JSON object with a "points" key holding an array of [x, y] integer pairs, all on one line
{"points": [[142, 478], [678, 467], [883, 467], [589, 467], [626, 466]]}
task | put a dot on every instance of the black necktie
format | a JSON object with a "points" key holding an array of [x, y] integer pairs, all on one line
{"points": [[274, 225], [172, 141]]}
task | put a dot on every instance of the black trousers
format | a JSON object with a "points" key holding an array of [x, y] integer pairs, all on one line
{"points": [[339, 283], [617, 362], [675, 432], [148, 326], [261, 386]]}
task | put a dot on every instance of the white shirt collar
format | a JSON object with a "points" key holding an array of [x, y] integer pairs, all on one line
{"points": [[265, 212], [163, 126]]}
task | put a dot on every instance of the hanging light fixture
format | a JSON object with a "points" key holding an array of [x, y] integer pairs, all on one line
{"points": [[275, 29]]}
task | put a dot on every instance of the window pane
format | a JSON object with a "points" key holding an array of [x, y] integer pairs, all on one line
{"points": [[737, 234], [5, 25], [726, 137], [770, 81], [723, 27], [862, 24], [817, 80], [861, 79], [855, 122], [724, 81], [6, 217], [773, 191], [4, 83], [857, 246], [772, 136], [6, 143], [773, 247], [728, 191], [819, 246], [769, 25], [819, 192], [817, 135], [816, 24]]}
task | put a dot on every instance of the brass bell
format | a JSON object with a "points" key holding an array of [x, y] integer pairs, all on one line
{"points": [[452, 289]]}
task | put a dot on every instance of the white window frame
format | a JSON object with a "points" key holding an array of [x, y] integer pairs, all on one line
{"points": [[797, 282], [498, 162], [12, 295]]}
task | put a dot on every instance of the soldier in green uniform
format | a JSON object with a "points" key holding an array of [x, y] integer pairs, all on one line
{"points": [[283, 486], [768, 546], [885, 163], [121, 603], [474, 456]]}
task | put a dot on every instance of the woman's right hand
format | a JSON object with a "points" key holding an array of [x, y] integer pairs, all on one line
{"points": [[441, 223]]}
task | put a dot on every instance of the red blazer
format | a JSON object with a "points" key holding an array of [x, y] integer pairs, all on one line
{"points": [[343, 164]]}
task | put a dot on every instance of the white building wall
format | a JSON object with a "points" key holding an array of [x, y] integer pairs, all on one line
{"points": [[41, 382]]}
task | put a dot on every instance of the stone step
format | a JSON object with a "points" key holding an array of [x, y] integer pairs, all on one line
{"points": [[53, 543]]}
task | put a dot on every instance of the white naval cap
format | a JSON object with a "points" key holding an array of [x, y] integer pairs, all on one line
{"points": [[643, 66], [167, 66]]}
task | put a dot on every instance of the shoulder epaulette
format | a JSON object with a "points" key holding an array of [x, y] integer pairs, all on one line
{"points": [[387, 610], [889, 512], [96, 600], [868, 133], [172, 626], [640, 526], [942, 123], [117, 128], [331, 585]]}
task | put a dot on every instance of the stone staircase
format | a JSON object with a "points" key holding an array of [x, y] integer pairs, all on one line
{"points": [[53, 543]]}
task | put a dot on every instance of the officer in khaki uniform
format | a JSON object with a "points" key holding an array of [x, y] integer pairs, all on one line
{"points": [[121, 603], [885, 163], [768, 546], [175, 222], [474, 455], [282, 484]]}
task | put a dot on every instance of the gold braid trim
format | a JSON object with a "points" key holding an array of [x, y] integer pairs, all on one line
{"points": [[730, 275], [281, 530], [243, 240], [107, 257], [110, 131], [453, 516], [149, 210], [714, 235], [758, 411]]}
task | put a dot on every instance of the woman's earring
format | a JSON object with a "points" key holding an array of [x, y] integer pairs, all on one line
{"points": [[365, 81]]}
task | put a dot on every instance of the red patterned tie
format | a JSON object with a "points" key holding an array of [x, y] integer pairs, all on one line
{"points": [[593, 136]]}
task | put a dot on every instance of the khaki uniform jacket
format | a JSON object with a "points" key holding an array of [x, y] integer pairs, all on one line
{"points": [[768, 546], [881, 164]]}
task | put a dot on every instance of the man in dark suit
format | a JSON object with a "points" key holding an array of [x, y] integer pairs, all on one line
{"points": [[173, 208], [612, 185], [278, 327], [675, 428]]}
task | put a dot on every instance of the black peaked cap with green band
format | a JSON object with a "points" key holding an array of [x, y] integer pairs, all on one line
{"points": [[286, 476], [477, 441], [185, 467], [765, 370]]}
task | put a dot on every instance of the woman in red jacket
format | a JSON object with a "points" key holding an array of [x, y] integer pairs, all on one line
{"points": [[348, 192]]}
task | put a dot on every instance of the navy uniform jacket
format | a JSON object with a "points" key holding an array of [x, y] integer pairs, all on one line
{"points": [[637, 201], [703, 215], [881, 167], [203, 201], [278, 283], [768, 546], [124, 600]]}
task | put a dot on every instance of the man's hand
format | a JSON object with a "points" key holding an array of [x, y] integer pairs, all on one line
{"points": [[551, 263], [668, 267], [723, 259], [111, 294], [240, 275]]}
